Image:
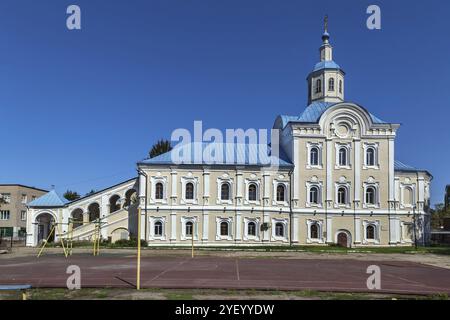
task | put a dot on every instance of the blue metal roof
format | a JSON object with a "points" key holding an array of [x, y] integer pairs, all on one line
{"points": [[312, 114], [50, 199], [400, 166], [326, 65], [204, 154]]}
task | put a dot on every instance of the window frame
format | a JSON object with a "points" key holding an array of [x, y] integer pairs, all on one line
{"points": [[331, 84]]}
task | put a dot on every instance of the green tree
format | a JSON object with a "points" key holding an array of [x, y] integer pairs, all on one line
{"points": [[90, 192], [438, 214], [71, 195], [160, 147]]}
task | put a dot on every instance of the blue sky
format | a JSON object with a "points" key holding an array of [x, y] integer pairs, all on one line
{"points": [[80, 108]]}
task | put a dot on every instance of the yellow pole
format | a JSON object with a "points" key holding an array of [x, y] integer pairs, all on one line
{"points": [[62, 241], [192, 237], [138, 269], [45, 243]]}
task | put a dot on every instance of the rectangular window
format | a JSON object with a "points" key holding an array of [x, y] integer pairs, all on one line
{"points": [[33, 198], [23, 215], [4, 215], [24, 198], [6, 197]]}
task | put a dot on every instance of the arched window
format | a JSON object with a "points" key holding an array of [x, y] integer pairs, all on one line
{"points": [[331, 84], [251, 229], [370, 157], [159, 191], [314, 156], [252, 192], [318, 86], [370, 232], [314, 231], [280, 193], [189, 191], [342, 195], [343, 157], [158, 228], [189, 228], [408, 196], [340, 86], [314, 195], [225, 191], [279, 229], [224, 229], [370, 195]]}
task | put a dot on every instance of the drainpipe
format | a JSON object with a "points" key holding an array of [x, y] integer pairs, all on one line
{"points": [[141, 172]]}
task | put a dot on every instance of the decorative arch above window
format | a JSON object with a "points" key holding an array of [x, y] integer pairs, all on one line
{"points": [[314, 155], [371, 156]]}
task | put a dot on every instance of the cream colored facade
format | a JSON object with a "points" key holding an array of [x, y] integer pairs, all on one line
{"points": [[338, 183]]}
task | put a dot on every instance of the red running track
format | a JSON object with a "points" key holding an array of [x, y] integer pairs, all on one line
{"points": [[109, 270]]}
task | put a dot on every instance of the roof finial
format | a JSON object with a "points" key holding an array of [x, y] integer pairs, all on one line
{"points": [[325, 22]]}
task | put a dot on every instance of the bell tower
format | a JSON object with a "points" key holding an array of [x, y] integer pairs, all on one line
{"points": [[326, 81]]}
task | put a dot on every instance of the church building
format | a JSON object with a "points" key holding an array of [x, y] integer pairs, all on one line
{"points": [[337, 181]]}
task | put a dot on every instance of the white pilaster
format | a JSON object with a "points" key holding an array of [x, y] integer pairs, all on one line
{"points": [[329, 187], [357, 186], [173, 226], [329, 229], [296, 186], [205, 226], [238, 226], [357, 229], [294, 228], [391, 170], [174, 184]]}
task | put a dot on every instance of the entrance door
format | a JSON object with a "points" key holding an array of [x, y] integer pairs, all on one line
{"points": [[342, 239]]}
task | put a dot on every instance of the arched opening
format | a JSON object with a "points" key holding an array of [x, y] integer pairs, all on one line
{"points": [[279, 229], [370, 157], [331, 84], [343, 239], [370, 195], [114, 203], [343, 161], [408, 196], [342, 195], [314, 195], [251, 229], [370, 232], [189, 191], [94, 211], [224, 229], [158, 229], [77, 218], [280, 193], [314, 157], [45, 222], [318, 86], [314, 231], [130, 198], [159, 191], [225, 191], [252, 192], [189, 229]]}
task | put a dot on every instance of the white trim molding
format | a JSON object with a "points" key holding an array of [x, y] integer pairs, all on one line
{"points": [[319, 223], [194, 221], [309, 147], [219, 220], [284, 222], [348, 147], [257, 223], [403, 186], [153, 221], [275, 184], [314, 182], [154, 180], [225, 178], [375, 147], [376, 186], [376, 225], [253, 180], [184, 181], [342, 184]]}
